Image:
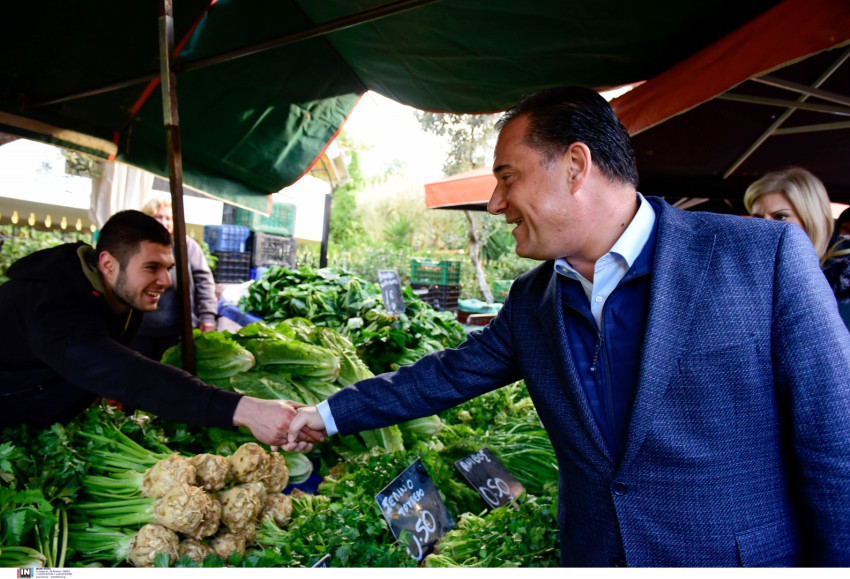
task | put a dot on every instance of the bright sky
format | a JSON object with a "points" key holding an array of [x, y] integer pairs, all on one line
{"points": [[394, 133]]}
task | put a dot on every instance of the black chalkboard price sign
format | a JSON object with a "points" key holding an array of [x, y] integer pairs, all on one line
{"points": [[391, 291], [490, 478], [414, 510]]}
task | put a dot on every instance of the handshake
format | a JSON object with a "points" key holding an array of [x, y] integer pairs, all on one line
{"points": [[285, 424], [307, 427]]}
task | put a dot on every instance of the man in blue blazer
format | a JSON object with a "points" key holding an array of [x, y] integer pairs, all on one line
{"points": [[691, 369]]}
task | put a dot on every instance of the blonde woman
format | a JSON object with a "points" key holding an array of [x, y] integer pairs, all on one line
{"points": [[796, 196]]}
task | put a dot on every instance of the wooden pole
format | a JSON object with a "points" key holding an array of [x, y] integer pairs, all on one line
{"points": [[323, 252], [175, 179]]}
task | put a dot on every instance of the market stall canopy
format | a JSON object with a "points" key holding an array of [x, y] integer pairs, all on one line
{"points": [[772, 94], [467, 190], [264, 85]]}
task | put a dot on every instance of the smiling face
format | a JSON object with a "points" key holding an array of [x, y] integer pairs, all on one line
{"points": [[536, 196], [141, 283], [776, 207]]}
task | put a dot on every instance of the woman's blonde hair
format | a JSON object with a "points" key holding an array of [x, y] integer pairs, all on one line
{"points": [[807, 195], [152, 205]]}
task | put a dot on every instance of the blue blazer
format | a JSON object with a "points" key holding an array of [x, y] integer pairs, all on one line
{"points": [[738, 451]]}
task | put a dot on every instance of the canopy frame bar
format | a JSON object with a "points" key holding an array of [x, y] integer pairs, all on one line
{"points": [[771, 130], [369, 15], [803, 89], [788, 104]]}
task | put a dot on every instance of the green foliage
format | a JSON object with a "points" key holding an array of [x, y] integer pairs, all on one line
{"points": [[471, 138], [398, 230], [82, 165], [18, 242], [340, 300], [346, 228], [212, 260], [523, 534]]}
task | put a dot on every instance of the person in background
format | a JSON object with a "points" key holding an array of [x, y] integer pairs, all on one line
{"points": [[68, 314], [842, 224], [690, 368], [795, 195], [160, 329]]}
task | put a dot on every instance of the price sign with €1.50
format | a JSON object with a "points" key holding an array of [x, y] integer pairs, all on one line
{"points": [[414, 510], [490, 478]]}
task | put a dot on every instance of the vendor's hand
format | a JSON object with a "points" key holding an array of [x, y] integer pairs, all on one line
{"points": [[207, 327], [306, 421], [269, 421]]}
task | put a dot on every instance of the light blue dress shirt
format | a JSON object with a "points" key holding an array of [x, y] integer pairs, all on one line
{"points": [[610, 269]]}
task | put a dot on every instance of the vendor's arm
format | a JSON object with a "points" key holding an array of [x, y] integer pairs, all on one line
{"points": [[77, 345]]}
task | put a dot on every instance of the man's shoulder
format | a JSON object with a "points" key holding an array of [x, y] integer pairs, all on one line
{"points": [[724, 225], [47, 263]]}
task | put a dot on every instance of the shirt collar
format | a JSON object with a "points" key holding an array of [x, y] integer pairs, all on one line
{"points": [[631, 241]]}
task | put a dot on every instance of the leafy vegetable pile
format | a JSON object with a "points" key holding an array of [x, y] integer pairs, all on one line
{"points": [[294, 360], [351, 305], [91, 509], [110, 488]]}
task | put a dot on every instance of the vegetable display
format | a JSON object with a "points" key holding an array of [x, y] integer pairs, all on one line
{"points": [[339, 300], [112, 488]]}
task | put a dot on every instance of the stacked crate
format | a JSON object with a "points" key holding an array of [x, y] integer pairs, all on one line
{"points": [[227, 244], [501, 287], [437, 283], [267, 249], [271, 240]]}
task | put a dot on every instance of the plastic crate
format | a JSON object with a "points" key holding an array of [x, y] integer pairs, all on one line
{"points": [[440, 297], [232, 266], [500, 289], [280, 222], [267, 249], [226, 237], [473, 319], [426, 271]]}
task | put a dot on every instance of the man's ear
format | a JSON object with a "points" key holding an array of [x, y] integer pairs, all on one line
{"points": [[109, 265], [579, 158]]}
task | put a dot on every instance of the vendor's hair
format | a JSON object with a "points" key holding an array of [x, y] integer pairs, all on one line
{"points": [[123, 233], [152, 205], [807, 195], [559, 117]]}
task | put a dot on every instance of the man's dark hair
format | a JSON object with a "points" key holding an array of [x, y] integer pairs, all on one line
{"points": [[559, 117], [124, 232]]}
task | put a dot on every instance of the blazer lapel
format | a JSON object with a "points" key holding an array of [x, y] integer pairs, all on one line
{"points": [[682, 256], [566, 380]]}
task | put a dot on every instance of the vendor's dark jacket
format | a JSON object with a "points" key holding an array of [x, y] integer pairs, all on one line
{"points": [[62, 347]]}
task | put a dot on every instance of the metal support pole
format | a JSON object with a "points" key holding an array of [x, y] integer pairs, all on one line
{"points": [[323, 255], [175, 179]]}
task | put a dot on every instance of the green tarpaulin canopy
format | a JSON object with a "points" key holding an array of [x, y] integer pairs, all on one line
{"points": [[254, 124]]}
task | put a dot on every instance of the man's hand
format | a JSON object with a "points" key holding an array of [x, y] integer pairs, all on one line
{"points": [[269, 422], [306, 421], [206, 327]]}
